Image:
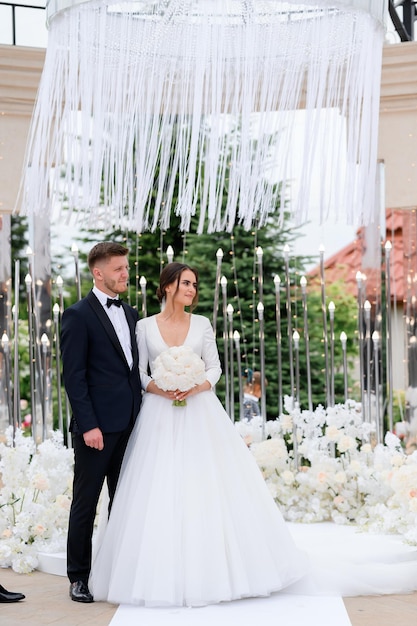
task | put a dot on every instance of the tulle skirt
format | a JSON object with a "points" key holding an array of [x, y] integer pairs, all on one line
{"points": [[192, 522]]}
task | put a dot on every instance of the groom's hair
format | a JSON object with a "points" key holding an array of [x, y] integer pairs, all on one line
{"points": [[104, 251], [172, 274]]}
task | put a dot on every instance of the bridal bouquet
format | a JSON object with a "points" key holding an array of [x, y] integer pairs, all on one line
{"points": [[178, 368]]}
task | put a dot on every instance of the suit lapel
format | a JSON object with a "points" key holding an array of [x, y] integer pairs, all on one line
{"points": [[132, 327], [108, 326]]}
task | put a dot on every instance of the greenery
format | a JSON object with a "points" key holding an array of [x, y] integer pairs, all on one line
{"points": [[241, 268]]}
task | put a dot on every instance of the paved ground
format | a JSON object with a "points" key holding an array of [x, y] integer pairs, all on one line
{"points": [[47, 602]]}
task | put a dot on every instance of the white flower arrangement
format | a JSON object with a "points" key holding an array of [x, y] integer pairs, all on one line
{"points": [[35, 497], [180, 368], [335, 472]]}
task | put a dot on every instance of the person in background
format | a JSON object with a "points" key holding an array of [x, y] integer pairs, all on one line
{"points": [[100, 368], [251, 393]]}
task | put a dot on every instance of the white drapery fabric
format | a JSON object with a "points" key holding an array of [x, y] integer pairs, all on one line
{"points": [[157, 106]]}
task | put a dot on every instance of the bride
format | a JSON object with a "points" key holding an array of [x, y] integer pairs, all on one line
{"points": [[192, 522]]}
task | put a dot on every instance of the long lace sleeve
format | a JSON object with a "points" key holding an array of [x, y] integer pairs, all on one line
{"points": [[143, 354], [210, 354]]}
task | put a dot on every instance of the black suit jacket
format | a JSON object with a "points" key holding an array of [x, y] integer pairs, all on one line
{"points": [[103, 390]]}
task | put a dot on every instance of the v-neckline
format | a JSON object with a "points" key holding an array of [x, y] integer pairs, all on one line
{"points": [[174, 345]]}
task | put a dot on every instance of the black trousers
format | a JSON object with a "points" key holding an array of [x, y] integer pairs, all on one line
{"points": [[91, 468]]}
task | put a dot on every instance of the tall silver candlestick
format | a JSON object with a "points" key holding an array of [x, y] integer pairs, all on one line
{"points": [[29, 254], [67, 410], [277, 282], [142, 283], [229, 310], [390, 394], [331, 315], [289, 314], [219, 257], [343, 339], [74, 251], [324, 316], [8, 379], [223, 283], [296, 339], [236, 338], [55, 310], [367, 310], [45, 398], [15, 312], [260, 309], [32, 369], [303, 284], [35, 314], [59, 284], [259, 257], [361, 341], [379, 434]]}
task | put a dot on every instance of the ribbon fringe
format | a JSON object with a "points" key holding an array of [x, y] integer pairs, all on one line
{"points": [[136, 112]]}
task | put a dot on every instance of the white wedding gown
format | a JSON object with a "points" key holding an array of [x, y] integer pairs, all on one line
{"points": [[192, 522]]}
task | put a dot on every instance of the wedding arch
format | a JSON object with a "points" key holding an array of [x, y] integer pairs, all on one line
{"points": [[134, 93]]}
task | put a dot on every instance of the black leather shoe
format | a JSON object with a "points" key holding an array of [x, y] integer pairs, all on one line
{"points": [[9, 596], [79, 592]]}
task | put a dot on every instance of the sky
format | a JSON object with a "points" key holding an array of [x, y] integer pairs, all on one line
{"points": [[31, 31]]}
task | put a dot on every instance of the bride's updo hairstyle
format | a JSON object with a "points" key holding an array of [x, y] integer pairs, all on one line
{"points": [[172, 274]]}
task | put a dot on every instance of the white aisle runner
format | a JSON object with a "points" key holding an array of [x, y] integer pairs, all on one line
{"points": [[277, 610], [341, 558]]}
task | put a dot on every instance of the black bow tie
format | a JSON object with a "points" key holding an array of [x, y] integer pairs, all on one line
{"points": [[115, 301]]}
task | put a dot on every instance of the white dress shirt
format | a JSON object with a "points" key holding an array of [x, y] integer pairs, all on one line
{"points": [[118, 319]]}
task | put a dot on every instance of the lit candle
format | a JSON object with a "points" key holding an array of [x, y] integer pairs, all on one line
{"points": [[142, 283], [170, 254], [5, 343]]}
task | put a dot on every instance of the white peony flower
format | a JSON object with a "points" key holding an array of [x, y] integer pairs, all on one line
{"points": [[339, 476], [34, 498], [179, 367]]}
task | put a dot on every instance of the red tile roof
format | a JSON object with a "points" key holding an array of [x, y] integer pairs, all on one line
{"points": [[369, 258]]}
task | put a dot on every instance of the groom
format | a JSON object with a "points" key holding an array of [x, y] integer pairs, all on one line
{"points": [[101, 376]]}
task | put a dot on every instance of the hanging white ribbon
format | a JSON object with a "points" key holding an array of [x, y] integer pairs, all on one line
{"points": [[144, 103]]}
